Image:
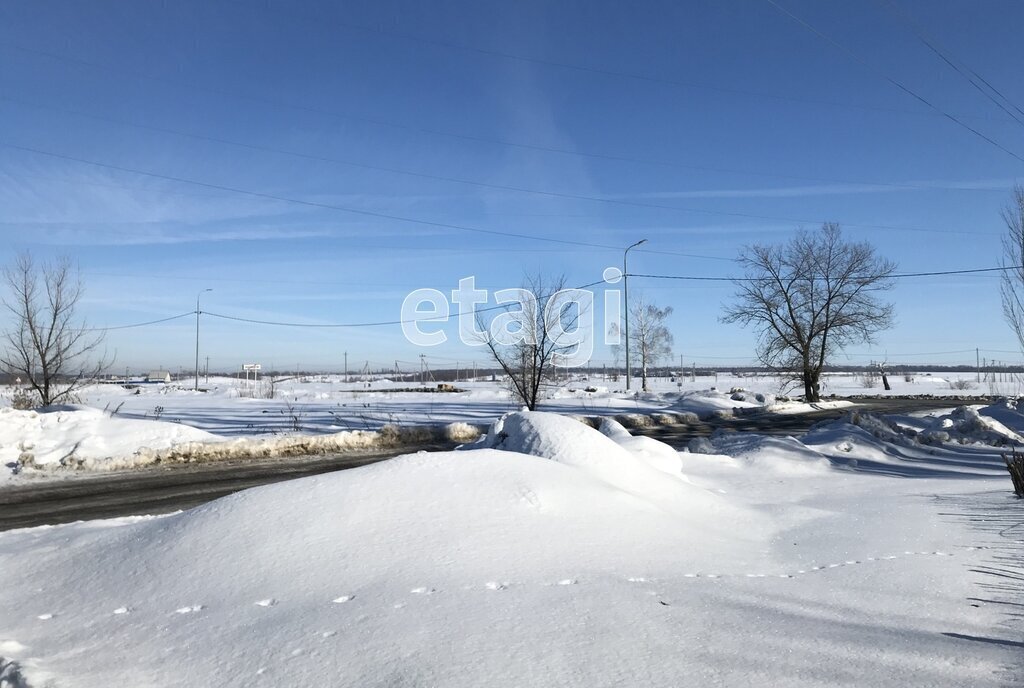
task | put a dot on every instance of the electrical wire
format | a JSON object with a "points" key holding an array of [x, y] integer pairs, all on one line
{"points": [[133, 325], [972, 77], [320, 21], [467, 137], [436, 318], [466, 228], [903, 275], [913, 94]]}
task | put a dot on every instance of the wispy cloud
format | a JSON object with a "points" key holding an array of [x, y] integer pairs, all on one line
{"points": [[66, 204], [64, 234], [1000, 185]]}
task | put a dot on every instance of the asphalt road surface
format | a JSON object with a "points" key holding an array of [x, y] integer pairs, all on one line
{"points": [[181, 486]]}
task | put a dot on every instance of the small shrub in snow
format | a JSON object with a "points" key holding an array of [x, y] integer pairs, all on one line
{"points": [[1015, 465], [23, 401], [870, 378], [961, 384]]}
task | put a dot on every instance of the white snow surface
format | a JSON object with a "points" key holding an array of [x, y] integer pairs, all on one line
{"points": [[550, 554], [317, 414], [69, 434]]}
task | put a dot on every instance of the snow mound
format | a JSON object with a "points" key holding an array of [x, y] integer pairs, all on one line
{"points": [[711, 402], [639, 468], [656, 454], [786, 455]]}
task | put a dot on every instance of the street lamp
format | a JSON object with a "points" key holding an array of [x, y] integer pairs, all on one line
{"points": [[197, 336], [625, 299]]}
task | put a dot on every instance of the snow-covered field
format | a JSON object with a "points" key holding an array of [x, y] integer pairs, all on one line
{"points": [[554, 554], [325, 414], [873, 551]]}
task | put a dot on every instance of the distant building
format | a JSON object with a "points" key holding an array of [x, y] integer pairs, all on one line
{"points": [[158, 376]]}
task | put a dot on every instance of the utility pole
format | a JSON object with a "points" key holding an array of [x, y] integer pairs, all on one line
{"points": [[207, 369], [625, 299], [346, 366], [977, 363], [197, 336]]}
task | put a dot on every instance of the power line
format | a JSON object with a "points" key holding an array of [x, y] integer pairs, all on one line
{"points": [[465, 228], [466, 137], [312, 204], [859, 279], [973, 77], [319, 21], [436, 318], [894, 82], [133, 325], [435, 177]]}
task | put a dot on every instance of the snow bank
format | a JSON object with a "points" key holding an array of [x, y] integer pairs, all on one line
{"points": [[73, 435], [83, 438]]}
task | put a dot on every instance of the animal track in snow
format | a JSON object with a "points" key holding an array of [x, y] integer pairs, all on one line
{"points": [[495, 585], [123, 610], [567, 581], [45, 617], [343, 599], [269, 602], [811, 569], [423, 591]]}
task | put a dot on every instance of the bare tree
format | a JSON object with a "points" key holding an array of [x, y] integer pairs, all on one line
{"points": [[534, 330], [1011, 287], [649, 337], [45, 345], [810, 298]]}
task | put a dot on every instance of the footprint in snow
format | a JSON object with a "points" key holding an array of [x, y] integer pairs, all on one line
{"points": [[45, 617], [495, 585], [423, 591], [343, 599], [269, 602], [567, 581], [123, 610], [189, 610], [328, 634]]}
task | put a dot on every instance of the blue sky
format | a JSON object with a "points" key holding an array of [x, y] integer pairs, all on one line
{"points": [[312, 162]]}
